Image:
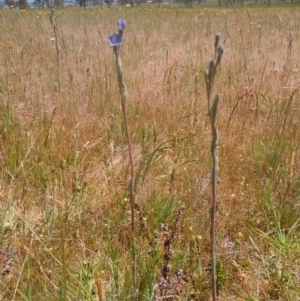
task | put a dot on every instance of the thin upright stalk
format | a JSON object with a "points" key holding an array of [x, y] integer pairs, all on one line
{"points": [[212, 113], [123, 93], [214, 176]]}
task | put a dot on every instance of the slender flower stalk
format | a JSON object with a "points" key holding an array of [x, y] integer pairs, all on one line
{"points": [[115, 40], [212, 112]]}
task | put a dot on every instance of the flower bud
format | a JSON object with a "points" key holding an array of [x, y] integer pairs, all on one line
{"points": [[211, 71], [217, 40], [121, 24], [220, 50]]}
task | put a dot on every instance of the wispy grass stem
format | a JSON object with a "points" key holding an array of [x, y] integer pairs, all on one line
{"points": [[56, 35]]}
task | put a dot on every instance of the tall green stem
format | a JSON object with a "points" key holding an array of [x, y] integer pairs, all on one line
{"points": [[123, 93], [212, 113]]}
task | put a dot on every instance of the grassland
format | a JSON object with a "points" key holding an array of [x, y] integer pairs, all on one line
{"points": [[65, 212]]}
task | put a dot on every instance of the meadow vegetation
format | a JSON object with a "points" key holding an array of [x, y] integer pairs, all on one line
{"points": [[65, 211]]}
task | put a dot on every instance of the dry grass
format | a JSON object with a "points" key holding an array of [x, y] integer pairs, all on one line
{"points": [[64, 168]]}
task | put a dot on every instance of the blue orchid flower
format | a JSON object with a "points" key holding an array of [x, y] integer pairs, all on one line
{"points": [[115, 39], [121, 24]]}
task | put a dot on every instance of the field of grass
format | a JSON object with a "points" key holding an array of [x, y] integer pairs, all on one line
{"points": [[64, 168]]}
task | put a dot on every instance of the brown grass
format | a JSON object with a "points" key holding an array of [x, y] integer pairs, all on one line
{"points": [[64, 166]]}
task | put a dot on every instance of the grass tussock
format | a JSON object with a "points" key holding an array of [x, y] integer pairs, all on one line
{"points": [[65, 210]]}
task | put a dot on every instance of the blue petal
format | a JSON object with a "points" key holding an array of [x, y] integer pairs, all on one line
{"points": [[115, 39], [121, 24]]}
